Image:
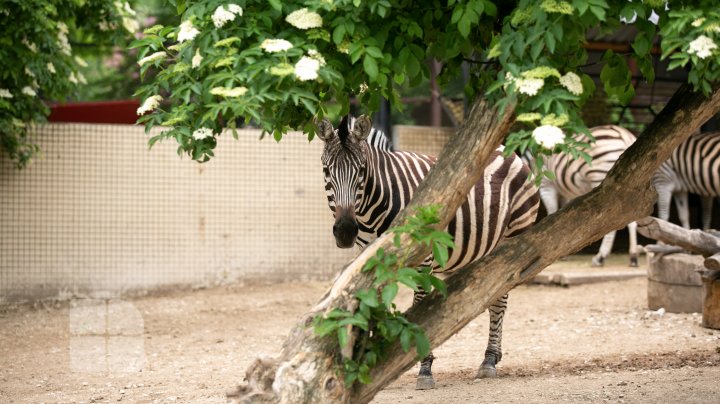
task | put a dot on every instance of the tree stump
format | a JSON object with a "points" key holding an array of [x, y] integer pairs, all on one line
{"points": [[674, 283], [711, 307]]}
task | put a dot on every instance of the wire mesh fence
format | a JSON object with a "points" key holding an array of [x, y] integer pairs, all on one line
{"points": [[99, 215]]}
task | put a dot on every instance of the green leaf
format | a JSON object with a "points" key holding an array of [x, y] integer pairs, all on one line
{"points": [[422, 344], [440, 253], [325, 327], [368, 297], [276, 4], [641, 45], [388, 294], [405, 339], [371, 67], [342, 336], [338, 34], [374, 52], [439, 285]]}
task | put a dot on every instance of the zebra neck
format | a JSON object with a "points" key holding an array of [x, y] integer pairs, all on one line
{"points": [[390, 182]]}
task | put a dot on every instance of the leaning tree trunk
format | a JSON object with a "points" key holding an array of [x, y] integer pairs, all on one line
{"points": [[306, 369]]}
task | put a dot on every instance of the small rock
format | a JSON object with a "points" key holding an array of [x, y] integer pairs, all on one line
{"points": [[622, 383]]}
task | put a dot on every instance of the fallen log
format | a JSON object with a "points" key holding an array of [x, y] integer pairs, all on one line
{"points": [[696, 241], [713, 262]]}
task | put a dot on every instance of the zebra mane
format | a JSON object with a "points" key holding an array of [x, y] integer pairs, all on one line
{"points": [[343, 129]]}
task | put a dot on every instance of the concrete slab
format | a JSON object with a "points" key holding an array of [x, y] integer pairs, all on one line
{"points": [[577, 270]]}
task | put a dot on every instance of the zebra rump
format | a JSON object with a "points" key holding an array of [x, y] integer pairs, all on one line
{"points": [[693, 167]]}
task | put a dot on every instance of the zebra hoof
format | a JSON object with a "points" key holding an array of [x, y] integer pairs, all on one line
{"points": [[633, 262], [598, 262], [486, 372], [425, 383]]}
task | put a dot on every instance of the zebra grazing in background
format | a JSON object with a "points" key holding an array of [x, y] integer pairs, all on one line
{"points": [[575, 177], [693, 167], [367, 185]]}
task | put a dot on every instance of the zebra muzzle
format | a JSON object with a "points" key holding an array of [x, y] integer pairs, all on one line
{"points": [[345, 230]]}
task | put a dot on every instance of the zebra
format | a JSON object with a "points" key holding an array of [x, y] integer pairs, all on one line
{"points": [[367, 184], [693, 167], [576, 177]]}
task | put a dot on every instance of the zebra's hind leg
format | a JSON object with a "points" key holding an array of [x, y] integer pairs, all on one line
{"points": [[493, 353], [425, 379], [605, 248]]}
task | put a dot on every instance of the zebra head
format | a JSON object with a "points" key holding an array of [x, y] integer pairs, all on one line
{"points": [[344, 162]]}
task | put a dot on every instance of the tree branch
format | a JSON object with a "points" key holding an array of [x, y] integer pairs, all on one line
{"points": [[696, 241]]}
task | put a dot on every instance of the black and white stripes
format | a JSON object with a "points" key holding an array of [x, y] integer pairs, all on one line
{"points": [[576, 177], [367, 185], [694, 167]]}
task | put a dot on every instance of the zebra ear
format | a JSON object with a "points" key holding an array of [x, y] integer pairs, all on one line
{"points": [[360, 129], [325, 129]]}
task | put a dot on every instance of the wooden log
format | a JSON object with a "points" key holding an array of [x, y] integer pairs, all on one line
{"points": [[711, 306], [713, 262], [663, 249], [696, 241]]}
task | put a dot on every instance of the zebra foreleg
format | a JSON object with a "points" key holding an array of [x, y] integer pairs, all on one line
{"points": [[493, 352], [425, 379]]}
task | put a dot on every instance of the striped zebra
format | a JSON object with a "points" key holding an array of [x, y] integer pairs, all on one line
{"points": [[694, 167], [367, 185], [575, 177]]}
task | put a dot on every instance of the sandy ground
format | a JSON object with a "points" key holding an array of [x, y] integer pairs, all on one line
{"points": [[586, 343]]}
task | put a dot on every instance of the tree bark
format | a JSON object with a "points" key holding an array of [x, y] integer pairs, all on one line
{"points": [[695, 241], [306, 369], [713, 262]]}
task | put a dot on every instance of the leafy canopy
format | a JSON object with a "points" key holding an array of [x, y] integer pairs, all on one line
{"points": [[263, 65], [41, 47]]}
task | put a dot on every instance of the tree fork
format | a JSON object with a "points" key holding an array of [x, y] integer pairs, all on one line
{"points": [[306, 372]]}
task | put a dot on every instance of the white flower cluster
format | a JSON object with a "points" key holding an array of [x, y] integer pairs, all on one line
{"points": [[313, 53], [548, 136], [202, 133], [51, 67], [197, 59], [275, 45], [128, 17], [152, 58], [80, 61], [702, 46], [27, 90], [529, 86], [307, 68], [150, 104], [30, 45], [304, 19], [221, 16], [572, 82], [187, 32], [5, 93], [63, 42], [228, 91]]}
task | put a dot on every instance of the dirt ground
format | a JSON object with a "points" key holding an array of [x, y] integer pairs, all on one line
{"points": [[586, 343]]}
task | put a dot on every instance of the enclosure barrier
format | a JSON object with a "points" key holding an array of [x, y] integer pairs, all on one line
{"points": [[99, 215]]}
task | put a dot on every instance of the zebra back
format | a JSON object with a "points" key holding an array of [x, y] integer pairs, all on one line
{"points": [[502, 204], [575, 177]]}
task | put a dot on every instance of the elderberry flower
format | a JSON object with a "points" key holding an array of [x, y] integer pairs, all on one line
{"points": [[548, 136], [304, 19], [150, 104], [702, 47]]}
